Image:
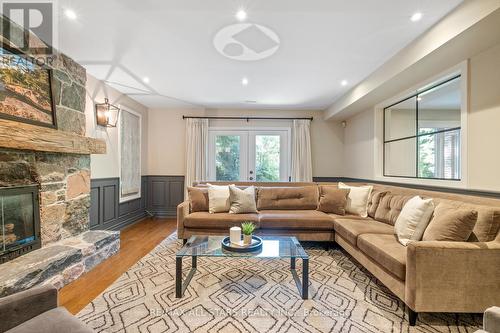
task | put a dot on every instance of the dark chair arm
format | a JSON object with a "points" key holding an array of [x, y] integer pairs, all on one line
{"points": [[18, 308]]}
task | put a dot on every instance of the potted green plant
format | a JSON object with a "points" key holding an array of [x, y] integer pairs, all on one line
{"points": [[247, 228]]}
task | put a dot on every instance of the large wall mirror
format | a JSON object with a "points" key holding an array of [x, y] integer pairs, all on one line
{"points": [[422, 133]]}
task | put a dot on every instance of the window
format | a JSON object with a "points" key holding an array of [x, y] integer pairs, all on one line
{"points": [[248, 155], [130, 155], [422, 133]]}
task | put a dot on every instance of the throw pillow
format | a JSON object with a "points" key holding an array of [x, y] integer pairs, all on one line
{"points": [[357, 200], [198, 198], [242, 201], [413, 220], [451, 224], [332, 199], [218, 199]]}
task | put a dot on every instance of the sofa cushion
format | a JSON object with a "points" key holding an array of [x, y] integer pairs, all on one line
{"points": [[350, 229], [390, 207], [54, 321], [198, 199], [488, 220], [287, 198], [206, 220], [374, 201], [450, 224], [299, 219], [218, 199], [332, 199], [413, 219], [357, 200], [386, 251], [242, 201]]}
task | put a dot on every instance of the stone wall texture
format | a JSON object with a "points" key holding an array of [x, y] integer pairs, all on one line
{"points": [[63, 179]]}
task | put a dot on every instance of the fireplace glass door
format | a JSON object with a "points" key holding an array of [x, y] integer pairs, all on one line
{"points": [[18, 218]]}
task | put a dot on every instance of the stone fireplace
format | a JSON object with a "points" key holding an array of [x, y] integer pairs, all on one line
{"points": [[55, 165], [63, 182]]}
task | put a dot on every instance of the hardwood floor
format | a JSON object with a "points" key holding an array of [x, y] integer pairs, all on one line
{"points": [[136, 241]]}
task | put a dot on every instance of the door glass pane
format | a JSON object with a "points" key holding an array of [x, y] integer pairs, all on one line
{"points": [[267, 158], [400, 158], [400, 120], [439, 154], [227, 157]]}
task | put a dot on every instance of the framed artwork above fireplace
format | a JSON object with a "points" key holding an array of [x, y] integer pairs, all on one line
{"points": [[25, 89]]}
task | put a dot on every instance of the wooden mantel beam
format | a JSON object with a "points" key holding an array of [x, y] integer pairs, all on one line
{"points": [[16, 135]]}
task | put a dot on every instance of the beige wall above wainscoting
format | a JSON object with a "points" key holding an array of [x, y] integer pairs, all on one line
{"points": [[166, 130], [107, 165]]}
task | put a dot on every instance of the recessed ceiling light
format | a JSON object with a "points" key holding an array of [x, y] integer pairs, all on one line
{"points": [[70, 14], [241, 15], [145, 79], [419, 99], [344, 83], [416, 17], [244, 81]]}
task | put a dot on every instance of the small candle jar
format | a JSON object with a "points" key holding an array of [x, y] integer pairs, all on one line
{"points": [[235, 235]]}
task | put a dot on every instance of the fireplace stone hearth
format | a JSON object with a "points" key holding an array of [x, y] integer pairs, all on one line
{"points": [[59, 263]]}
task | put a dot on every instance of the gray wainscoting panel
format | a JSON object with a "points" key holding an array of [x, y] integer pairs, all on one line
{"points": [[160, 196], [95, 197], [164, 194], [106, 212]]}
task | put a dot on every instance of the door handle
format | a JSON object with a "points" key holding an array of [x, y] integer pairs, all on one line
{"points": [[251, 172], [251, 178]]}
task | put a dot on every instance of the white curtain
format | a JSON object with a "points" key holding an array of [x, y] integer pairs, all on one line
{"points": [[301, 151], [196, 150]]}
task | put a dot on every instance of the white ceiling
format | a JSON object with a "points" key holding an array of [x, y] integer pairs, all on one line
{"points": [[322, 42]]}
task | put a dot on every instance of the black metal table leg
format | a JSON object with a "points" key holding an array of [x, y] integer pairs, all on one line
{"points": [[302, 286], [178, 277], [305, 278], [180, 286]]}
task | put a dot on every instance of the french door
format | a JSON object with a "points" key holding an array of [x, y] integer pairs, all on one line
{"points": [[249, 155]]}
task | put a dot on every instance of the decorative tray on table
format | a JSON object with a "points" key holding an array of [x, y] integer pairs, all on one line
{"points": [[255, 246]]}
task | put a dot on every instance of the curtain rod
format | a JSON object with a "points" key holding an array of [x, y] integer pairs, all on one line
{"points": [[248, 118]]}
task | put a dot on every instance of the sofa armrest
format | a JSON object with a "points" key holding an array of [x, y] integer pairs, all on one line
{"points": [[182, 212], [452, 276], [20, 307]]}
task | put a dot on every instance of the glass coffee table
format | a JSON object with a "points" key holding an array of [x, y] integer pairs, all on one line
{"points": [[273, 247]]}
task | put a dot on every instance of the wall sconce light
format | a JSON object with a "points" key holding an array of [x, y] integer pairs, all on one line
{"points": [[106, 114]]}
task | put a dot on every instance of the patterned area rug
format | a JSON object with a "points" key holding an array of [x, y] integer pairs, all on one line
{"points": [[242, 295]]}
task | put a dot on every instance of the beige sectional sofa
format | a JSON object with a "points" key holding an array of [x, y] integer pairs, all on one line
{"points": [[429, 276]]}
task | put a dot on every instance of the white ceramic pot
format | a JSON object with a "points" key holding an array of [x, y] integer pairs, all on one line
{"points": [[247, 239]]}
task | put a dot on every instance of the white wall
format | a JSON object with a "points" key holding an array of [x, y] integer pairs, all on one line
{"points": [[469, 29], [107, 165], [483, 134], [484, 120], [167, 137], [359, 136]]}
